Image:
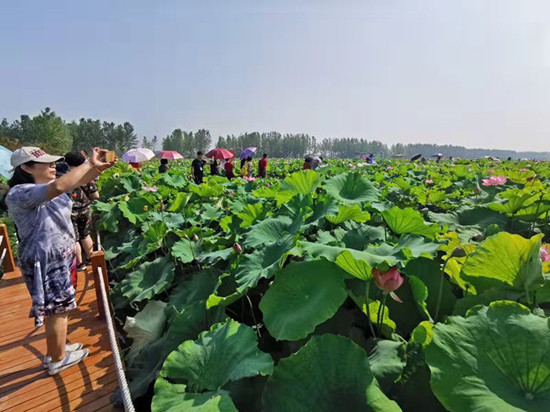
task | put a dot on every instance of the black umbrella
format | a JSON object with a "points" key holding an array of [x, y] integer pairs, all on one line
{"points": [[416, 157]]}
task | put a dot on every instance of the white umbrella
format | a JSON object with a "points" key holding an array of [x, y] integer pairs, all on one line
{"points": [[138, 155], [5, 167]]}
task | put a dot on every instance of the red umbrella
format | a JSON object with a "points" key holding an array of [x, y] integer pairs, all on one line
{"points": [[169, 154], [220, 154]]}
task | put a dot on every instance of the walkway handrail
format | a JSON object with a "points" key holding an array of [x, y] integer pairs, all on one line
{"points": [[6, 255], [121, 376]]}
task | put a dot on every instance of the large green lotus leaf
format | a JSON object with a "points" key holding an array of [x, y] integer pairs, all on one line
{"points": [[145, 327], [269, 231], [355, 267], [505, 260], [183, 326], [185, 250], [173, 180], [329, 373], [408, 247], [302, 296], [323, 205], [227, 352], [174, 398], [180, 202], [408, 220], [387, 360], [351, 188], [497, 358], [149, 280], [135, 209], [198, 287], [512, 204], [251, 213], [363, 236], [206, 190], [469, 217], [261, 263], [304, 182], [464, 304], [346, 212]]}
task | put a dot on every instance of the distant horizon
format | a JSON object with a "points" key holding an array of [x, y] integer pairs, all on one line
{"points": [[474, 73]]}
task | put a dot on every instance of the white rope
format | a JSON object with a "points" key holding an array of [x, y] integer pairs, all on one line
{"points": [[3, 256], [124, 390]]}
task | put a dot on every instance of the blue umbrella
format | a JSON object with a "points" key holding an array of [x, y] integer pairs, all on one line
{"points": [[5, 166], [249, 151]]}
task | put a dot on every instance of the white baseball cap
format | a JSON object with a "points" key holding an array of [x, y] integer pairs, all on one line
{"points": [[34, 154]]}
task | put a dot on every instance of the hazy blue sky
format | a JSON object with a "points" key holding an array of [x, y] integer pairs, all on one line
{"points": [[469, 72]]}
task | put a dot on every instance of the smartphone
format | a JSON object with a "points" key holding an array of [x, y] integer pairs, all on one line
{"points": [[108, 157]]}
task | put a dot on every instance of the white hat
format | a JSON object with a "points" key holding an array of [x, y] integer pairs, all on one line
{"points": [[34, 154]]}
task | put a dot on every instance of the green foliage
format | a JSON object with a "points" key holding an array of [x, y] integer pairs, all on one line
{"points": [[496, 358], [280, 256]]}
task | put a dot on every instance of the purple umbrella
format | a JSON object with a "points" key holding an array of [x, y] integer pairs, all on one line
{"points": [[249, 151]]}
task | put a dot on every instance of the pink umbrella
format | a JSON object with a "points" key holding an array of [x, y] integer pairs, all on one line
{"points": [[169, 154], [220, 154]]}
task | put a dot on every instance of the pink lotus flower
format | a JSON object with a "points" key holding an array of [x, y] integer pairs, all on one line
{"points": [[150, 189], [389, 168], [491, 170], [268, 185], [429, 182], [545, 253], [523, 170], [388, 281], [249, 179], [495, 181]]}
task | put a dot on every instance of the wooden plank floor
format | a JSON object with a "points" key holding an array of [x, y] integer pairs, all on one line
{"points": [[24, 384]]}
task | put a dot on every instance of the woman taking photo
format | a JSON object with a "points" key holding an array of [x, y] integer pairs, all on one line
{"points": [[41, 211]]}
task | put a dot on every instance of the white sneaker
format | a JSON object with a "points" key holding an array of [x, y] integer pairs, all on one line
{"points": [[71, 359], [69, 347]]}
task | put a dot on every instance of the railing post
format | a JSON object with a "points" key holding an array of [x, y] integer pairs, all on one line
{"points": [[98, 261], [8, 262]]}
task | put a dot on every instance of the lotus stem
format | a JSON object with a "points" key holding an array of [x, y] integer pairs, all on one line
{"points": [[440, 291], [380, 316], [367, 289]]}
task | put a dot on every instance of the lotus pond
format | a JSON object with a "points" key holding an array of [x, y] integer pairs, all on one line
{"points": [[353, 287]]}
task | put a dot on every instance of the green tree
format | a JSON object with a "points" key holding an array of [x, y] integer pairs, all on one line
{"points": [[46, 130]]}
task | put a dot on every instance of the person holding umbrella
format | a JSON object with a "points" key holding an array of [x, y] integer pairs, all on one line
{"points": [[262, 166], [229, 169], [246, 169]]}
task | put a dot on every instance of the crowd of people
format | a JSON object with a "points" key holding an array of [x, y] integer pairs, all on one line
{"points": [[226, 167]]}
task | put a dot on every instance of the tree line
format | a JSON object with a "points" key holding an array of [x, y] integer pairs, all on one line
{"points": [[55, 135]]}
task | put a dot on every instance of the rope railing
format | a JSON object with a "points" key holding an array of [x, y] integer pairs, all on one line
{"points": [[121, 376], [7, 262]]}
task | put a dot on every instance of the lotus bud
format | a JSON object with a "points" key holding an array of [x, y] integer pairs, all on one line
{"points": [[145, 208], [195, 238], [478, 238], [458, 252], [237, 248], [388, 281], [186, 237]]}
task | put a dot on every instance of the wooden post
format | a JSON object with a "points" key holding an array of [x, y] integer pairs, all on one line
{"points": [[8, 263], [98, 261]]}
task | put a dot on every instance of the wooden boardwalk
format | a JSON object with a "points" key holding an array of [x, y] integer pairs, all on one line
{"points": [[24, 384]]}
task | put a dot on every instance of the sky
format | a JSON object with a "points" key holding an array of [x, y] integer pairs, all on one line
{"points": [[471, 72]]}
